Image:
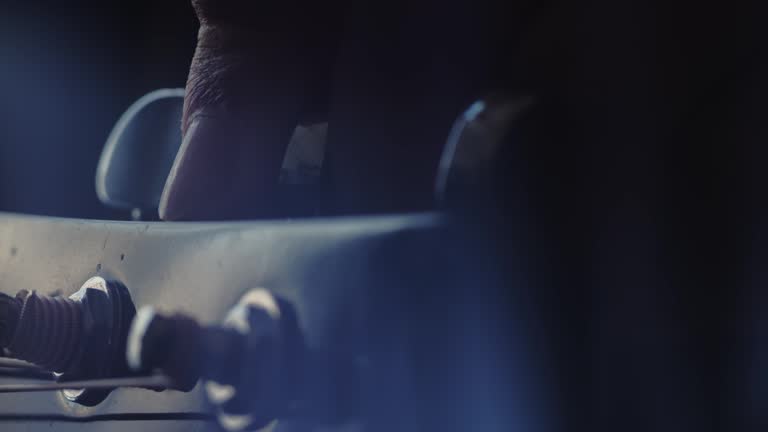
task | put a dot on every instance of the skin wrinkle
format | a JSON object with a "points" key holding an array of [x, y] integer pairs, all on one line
{"points": [[230, 61], [246, 111], [259, 69], [235, 84], [204, 86], [248, 85], [247, 12]]}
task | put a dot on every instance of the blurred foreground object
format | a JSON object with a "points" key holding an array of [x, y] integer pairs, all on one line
{"points": [[250, 362]]}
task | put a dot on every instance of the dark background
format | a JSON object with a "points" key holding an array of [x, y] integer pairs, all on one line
{"points": [[646, 182], [67, 72]]}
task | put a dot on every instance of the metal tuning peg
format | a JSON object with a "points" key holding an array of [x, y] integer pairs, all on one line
{"points": [[81, 337], [248, 363]]}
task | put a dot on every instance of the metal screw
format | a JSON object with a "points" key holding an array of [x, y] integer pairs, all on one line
{"points": [[80, 337]]}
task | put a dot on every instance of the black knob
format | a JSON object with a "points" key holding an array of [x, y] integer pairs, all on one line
{"points": [[249, 362]]}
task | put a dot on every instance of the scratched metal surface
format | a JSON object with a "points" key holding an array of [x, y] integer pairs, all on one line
{"points": [[201, 268]]}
